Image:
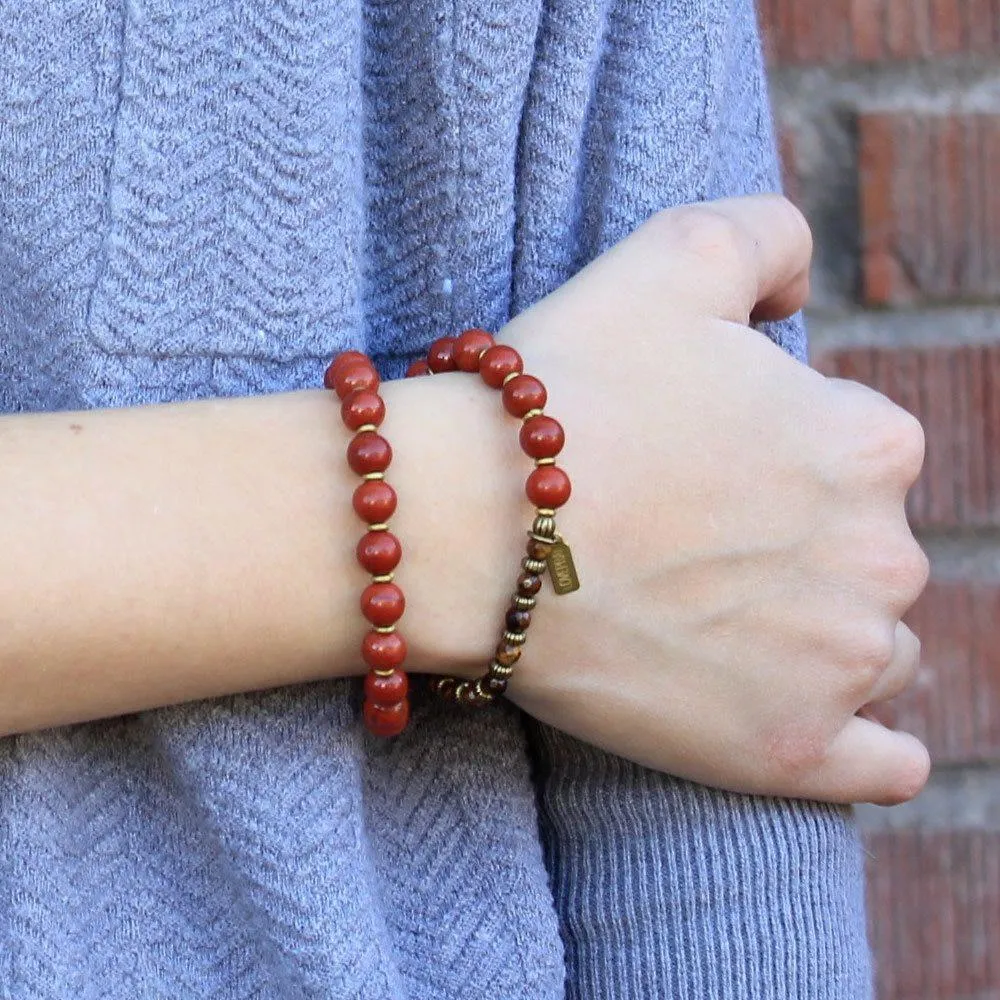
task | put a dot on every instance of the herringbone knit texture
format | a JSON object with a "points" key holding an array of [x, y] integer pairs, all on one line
{"points": [[202, 199]]}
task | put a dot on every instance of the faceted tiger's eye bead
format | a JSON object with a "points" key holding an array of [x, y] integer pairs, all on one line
{"points": [[387, 689], [528, 584], [522, 394], [382, 604], [386, 720], [375, 501], [354, 377], [339, 362], [441, 355], [362, 407], [548, 486], [538, 550], [542, 437], [507, 654], [379, 552], [468, 346], [419, 367], [368, 452], [383, 650], [497, 363], [518, 620]]}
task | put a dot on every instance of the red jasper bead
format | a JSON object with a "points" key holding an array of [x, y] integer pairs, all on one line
{"points": [[542, 437], [382, 604], [419, 367], [383, 650], [522, 394], [368, 452], [469, 345], [341, 361], [386, 689], [441, 355], [375, 501], [548, 486], [379, 552], [362, 407], [353, 377], [497, 363], [386, 720]]}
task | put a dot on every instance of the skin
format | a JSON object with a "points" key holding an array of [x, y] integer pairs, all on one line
{"points": [[737, 521]]}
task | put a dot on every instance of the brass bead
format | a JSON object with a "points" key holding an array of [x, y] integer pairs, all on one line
{"points": [[499, 670], [515, 638], [508, 377], [369, 476], [534, 566], [385, 578], [539, 462], [381, 526], [532, 413], [545, 512], [366, 427], [524, 602], [388, 672], [384, 629]]}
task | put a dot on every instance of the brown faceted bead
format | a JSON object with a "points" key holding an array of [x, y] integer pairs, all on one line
{"points": [[386, 689], [548, 486], [499, 362], [386, 720], [379, 552], [382, 604], [507, 654], [539, 550], [542, 437], [342, 361], [518, 620], [441, 355], [368, 452], [494, 685], [522, 394], [419, 367], [468, 346], [355, 376], [528, 584], [383, 650], [375, 501], [362, 407]]}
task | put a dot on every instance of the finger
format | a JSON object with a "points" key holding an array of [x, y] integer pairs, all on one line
{"points": [[869, 763], [736, 258], [902, 668]]}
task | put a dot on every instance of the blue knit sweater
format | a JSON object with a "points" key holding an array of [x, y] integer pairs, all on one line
{"points": [[212, 198]]}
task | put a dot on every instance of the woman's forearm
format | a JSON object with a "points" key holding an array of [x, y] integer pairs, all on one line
{"points": [[165, 553]]}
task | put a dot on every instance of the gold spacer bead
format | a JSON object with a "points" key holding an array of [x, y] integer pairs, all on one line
{"points": [[508, 377], [532, 413], [381, 526], [527, 603], [366, 427], [384, 629], [499, 670], [383, 673], [544, 461], [545, 511], [535, 566], [373, 475], [515, 638], [385, 578]]}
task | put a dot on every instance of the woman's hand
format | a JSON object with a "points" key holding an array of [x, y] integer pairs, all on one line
{"points": [[737, 522]]}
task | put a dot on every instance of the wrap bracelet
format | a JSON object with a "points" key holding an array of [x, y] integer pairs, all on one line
{"points": [[548, 487]]}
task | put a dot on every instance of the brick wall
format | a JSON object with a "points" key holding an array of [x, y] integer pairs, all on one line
{"points": [[889, 122]]}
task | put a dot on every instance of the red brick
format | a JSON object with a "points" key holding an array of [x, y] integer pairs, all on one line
{"points": [[934, 913], [929, 220], [844, 31], [955, 393], [954, 705]]}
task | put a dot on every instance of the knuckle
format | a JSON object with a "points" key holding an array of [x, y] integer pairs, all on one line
{"points": [[709, 236], [900, 443], [871, 650], [903, 569]]}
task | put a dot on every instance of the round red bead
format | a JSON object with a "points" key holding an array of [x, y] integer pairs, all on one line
{"points": [[419, 367], [383, 650], [386, 689], [341, 361], [386, 720], [375, 501], [379, 552], [542, 437], [522, 394], [548, 486], [382, 604], [353, 377], [368, 452], [469, 345], [362, 407], [497, 363], [441, 355]]}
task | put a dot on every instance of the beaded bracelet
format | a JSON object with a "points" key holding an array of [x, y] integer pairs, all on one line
{"points": [[548, 488], [354, 379]]}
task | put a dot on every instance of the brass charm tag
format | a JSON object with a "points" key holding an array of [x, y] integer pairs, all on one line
{"points": [[562, 570]]}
